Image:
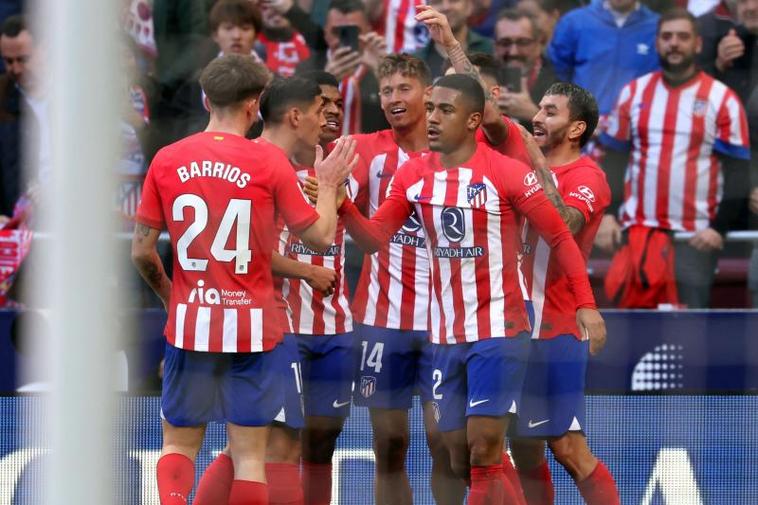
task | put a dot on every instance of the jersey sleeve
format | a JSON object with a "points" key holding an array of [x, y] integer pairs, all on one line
{"points": [[618, 133], [731, 128], [588, 192], [290, 204], [518, 183], [150, 210], [371, 235]]}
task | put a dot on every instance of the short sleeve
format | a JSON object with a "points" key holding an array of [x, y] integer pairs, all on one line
{"points": [[618, 133], [588, 192], [150, 210], [290, 204], [731, 128]]}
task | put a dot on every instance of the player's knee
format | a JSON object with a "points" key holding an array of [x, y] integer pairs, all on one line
{"points": [[485, 449], [460, 468], [572, 452], [527, 454], [318, 444], [392, 446]]}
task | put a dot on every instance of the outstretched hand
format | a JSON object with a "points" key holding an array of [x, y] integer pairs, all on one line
{"points": [[334, 169], [437, 24], [310, 188]]}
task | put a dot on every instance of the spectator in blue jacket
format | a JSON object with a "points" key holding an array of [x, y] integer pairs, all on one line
{"points": [[603, 46]]}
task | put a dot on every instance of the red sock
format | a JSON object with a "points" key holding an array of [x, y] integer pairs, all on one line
{"points": [[599, 488], [176, 475], [537, 484], [216, 482], [317, 483], [514, 493], [284, 487], [247, 492], [486, 485]]}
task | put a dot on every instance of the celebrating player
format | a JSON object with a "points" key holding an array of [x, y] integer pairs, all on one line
{"points": [[223, 326], [552, 406], [466, 197]]}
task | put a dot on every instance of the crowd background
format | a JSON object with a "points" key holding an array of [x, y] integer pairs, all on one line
{"points": [[601, 45]]}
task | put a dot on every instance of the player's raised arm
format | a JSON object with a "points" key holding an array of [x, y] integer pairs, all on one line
{"points": [[331, 173]]}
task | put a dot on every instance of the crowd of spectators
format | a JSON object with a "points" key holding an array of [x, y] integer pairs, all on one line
{"points": [[698, 138]]}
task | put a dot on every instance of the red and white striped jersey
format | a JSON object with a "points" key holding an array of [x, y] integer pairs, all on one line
{"points": [[393, 290], [674, 178], [582, 185], [471, 217], [309, 311], [283, 56], [399, 26], [219, 195]]}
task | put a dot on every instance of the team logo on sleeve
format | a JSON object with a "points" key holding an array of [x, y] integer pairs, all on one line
{"points": [[476, 194], [453, 224], [587, 193], [368, 386]]}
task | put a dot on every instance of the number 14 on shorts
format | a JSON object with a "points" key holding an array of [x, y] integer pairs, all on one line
{"points": [[372, 359]]}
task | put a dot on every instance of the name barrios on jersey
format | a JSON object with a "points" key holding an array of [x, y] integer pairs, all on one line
{"points": [[215, 169], [212, 296]]}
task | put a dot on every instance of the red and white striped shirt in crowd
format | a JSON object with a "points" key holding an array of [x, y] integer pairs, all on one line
{"points": [[582, 186], [350, 89], [471, 216], [393, 290], [674, 178], [309, 311], [399, 27], [283, 56], [219, 196]]}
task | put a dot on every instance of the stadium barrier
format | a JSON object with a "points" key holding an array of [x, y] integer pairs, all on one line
{"points": [[662, 449]]}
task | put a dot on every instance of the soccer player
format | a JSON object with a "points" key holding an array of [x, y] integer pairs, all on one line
{"points": [[467, 198], [552, 405], [218, 194]]}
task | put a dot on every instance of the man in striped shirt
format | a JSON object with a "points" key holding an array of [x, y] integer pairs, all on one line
{"points": [[553, 395], [224, 328], [468, 200], [689, 157]]}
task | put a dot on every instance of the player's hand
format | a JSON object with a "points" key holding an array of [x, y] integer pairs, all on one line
{"points": [[334, 169], [536, 155], [323, 280], [374, 49], [592, 328], [729, 49], [754, 201], [707, 240], [608, 236], [310, 188], [518, 105], [343, 62], [437, 24]]}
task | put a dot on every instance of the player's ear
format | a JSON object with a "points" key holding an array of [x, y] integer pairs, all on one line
{"points": [[293, 116], [577, 130], [474, 120], [252, 106], [495, 91]]}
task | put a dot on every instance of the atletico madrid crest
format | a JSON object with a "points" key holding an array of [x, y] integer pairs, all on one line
{"points": [[368, 385], [476, 194]]}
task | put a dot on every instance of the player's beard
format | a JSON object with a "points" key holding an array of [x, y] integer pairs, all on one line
{"points": [[676, 68]]}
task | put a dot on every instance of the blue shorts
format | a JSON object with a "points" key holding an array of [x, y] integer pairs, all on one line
{"points": [[241, 388], [482, 378], [292, 414], [327, 371], [392, 365], [553, 396]]}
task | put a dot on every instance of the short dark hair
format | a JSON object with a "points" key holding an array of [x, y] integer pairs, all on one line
{"points": [[230, 80], [283, 94], [237, 12], [468, 87], [347, 6], [516, 14], [582, 106], [13, 25], [322, 78], [406, 65], [488, 64], [675, 14]]}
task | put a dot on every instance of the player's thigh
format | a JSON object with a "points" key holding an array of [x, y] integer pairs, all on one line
{"points": [[327, 363], [253, 387], [283, 445], [190, 396], [456, 443], [553, 395], [386, 366], [495, 371], [391, 433], [292, 415], [182, 440], [449, 386], [247, 445]]}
